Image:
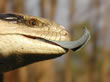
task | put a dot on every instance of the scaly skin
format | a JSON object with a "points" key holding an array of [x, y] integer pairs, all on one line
{"points": [[21, 40], [27, 39]]}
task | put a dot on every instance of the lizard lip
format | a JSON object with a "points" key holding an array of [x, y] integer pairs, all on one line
{"points": [[74, 45], [42, 39]]}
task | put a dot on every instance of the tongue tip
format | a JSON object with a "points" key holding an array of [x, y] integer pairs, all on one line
{"points": [[85, 39]]}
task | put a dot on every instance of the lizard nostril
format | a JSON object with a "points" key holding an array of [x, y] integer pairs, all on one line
{"points": [[64, 33]]}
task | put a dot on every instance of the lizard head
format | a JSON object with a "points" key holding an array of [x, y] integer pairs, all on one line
{"points": [[26, 39]]}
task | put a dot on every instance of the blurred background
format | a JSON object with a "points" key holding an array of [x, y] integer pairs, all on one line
{"points": [[91, 63]]}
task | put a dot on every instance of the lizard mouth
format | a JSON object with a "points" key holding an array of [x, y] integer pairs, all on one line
{"points": [[44, 40], [73, 45]]}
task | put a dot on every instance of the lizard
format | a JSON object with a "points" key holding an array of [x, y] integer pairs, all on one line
{"points": [[26, 39]]}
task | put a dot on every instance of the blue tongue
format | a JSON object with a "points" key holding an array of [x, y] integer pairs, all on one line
{"points": [[75, 45]]}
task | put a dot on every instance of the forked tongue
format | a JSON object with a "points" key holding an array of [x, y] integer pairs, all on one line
{"points": [[75, 45]]}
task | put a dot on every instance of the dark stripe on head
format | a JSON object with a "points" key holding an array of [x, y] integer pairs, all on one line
{"points": [[12, 18]]}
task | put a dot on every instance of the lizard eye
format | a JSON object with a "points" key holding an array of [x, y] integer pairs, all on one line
{"points": [[33, 22]]}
